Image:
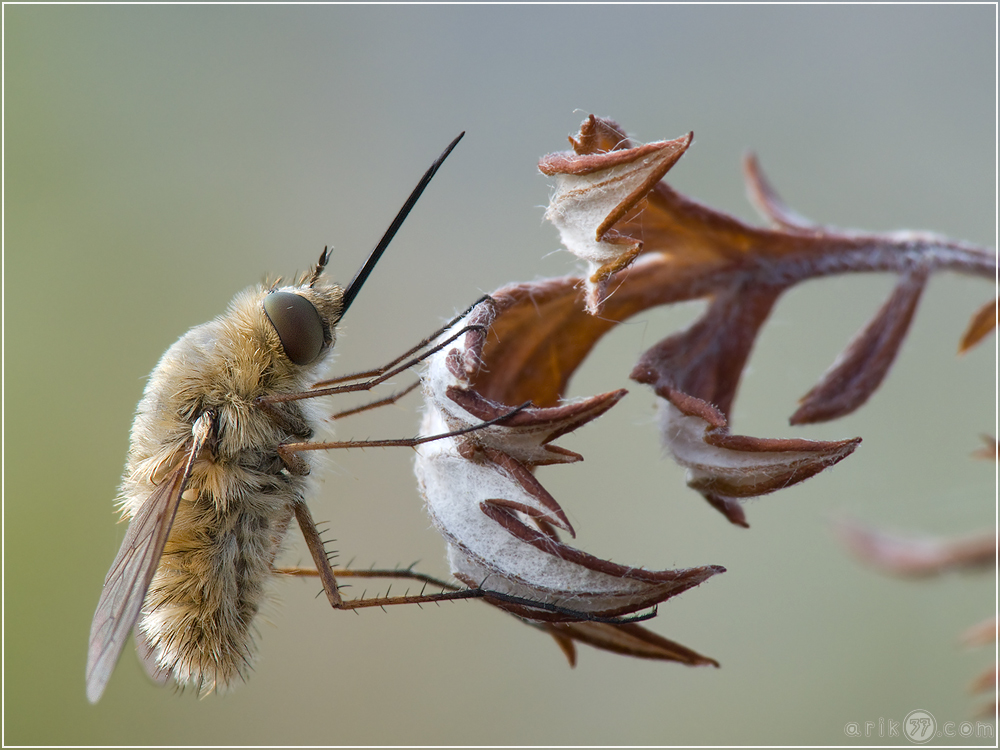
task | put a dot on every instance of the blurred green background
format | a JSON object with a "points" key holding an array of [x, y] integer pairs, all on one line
{"points": [[159, 159]]}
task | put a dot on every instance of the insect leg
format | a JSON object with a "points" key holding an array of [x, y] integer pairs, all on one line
{"points": [[426, 342], [522, 607], [364, 385], [288, 450], [404, 574], [375, 404], [329, 579], [318, 552]]}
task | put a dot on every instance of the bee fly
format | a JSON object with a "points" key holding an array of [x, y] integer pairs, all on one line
{"points": [[219, 463]]}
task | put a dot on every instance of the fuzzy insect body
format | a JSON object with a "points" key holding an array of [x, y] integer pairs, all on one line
{"points": [[208, 495], [236, 507], [222, 456]]}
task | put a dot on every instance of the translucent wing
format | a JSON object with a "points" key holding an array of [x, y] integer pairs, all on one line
{"points": [[130, 575], [128, 580]]}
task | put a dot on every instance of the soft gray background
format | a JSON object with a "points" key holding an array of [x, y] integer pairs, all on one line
{"points": [[158, 159]]}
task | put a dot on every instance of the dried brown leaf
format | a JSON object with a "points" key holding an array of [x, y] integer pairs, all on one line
{"points": [[707, 359], [862, 367], [983, 321], [500, 524], [593, 192], [700, 240], [700, 252], [539, 336], [527, 562], [729, 468], [917, 556], [767, 201], [646, 245], [629, 640], [692, 251]]}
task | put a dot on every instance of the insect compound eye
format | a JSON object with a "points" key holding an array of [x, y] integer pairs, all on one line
{"points": [[298, 325]]}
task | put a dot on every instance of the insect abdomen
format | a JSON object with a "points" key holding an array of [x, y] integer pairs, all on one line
{"points": [[212, 580]]}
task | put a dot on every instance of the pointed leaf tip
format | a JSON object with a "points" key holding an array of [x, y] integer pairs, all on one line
{"points": [[983, 322], [863, 365], [727, 469], [766, 200]]}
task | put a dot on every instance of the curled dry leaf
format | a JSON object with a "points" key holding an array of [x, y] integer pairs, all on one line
{"points": [[917, 556], [728, 468], [502, 526], [690, 251], [596, 191]]}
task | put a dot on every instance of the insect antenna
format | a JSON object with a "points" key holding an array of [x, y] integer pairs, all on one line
{"points": [[317, 271], [352, 289]]}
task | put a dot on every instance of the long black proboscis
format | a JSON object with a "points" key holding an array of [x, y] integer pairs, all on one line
{"points": [[352, 289]]}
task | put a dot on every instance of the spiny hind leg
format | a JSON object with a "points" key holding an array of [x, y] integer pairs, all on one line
{"points": [[328, 578], [405, 574]]}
